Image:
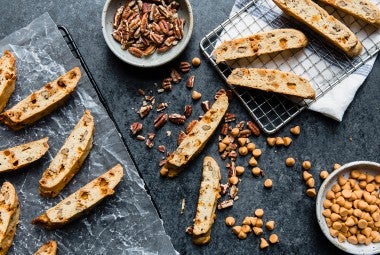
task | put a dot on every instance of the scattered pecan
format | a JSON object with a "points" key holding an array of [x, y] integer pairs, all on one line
{"points": [[233, 191], [184, 67], [176, 77], [205, 105], [254, 128], [188, 110], [181, 135], [190, 82], [149, 98], [245, 133], [232, 155], [144, 110], [190, 126], [151, 136], [224, 130], [183, 204], [177, 118], [225, 204], [240, 125], [160, 120], [162, 106], [219, 93], [189, 230], [136, 127], [161, 148], [231, 169], [149, 143], [167, 83], [229, 117], [141, 92], [140, 138], [224, 188]]}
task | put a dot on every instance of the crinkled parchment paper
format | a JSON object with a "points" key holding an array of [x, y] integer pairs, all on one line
{"points": [[126, 223]]}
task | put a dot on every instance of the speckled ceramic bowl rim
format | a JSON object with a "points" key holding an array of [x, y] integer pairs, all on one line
{"points": [[364, 165], [165, 59]]}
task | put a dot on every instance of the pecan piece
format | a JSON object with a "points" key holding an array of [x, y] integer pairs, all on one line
{"points": [[161, 148], [190, 82], [181, 136], [244, 133], [167, 83], [160, 120], [141, 92], [176, 77], [225, 204], [254, 128], [177, 118], [205, 105], [136, 52], [164, 26], [144, 111], [224, 130], [117, 17], [184, 67], [163, 48], [136, 127], [162, 106], [229, 117], [188, 110], [149, 143]]}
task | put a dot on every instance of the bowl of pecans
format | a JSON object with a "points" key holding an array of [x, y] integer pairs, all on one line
{"points": [[147, 33], [348, 210]]}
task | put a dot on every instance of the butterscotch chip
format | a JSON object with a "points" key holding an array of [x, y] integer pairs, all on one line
{"points": [[230, 221], [311, 192], [268, 183], [306, 165], [271, 141], [256, 153], [290, 162], [296, 130], [323, 174], [263, 243], [273, 238], [259, 212]]}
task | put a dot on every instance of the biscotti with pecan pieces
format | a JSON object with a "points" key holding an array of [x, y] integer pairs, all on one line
{"points": [[272, 81], [317, 18], [209, 194], [42, 102], [70, 157], [10, 214], [7, 78], [363, 9], [259, 44], [49, 248], [22, 155], [196, 139], [82, 200]]}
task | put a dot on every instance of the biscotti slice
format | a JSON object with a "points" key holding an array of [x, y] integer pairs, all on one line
{"points": [[197, 138], [7, 77], [312, 15], [271, 80], [70, 157], [49, 248], [363, 9], [82, 200], [42, 102], [22, 155], [261, 43], [9, 216], [209, 194]]}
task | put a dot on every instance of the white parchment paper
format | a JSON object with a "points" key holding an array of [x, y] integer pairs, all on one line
{"points": [[126, 223]]}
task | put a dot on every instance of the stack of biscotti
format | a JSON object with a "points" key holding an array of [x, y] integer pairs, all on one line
{"points": [[261, 43], [22, 155], [42, 102], [82, 200], [317, 18], [197, 138], [7, 78], [49, 248], [270, 80], [70, 157], [9, 216], [209, 194]]}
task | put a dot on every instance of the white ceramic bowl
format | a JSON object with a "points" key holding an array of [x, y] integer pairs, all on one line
{"points": [[156, 59], [368, 167]]}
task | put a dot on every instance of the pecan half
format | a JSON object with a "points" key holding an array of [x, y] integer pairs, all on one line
{"points": [[160, 120], [205, 105], [144, 111], [162, 106], [176, 77], [167, 83], [254, 128], [188, 110], [184, 67], [245, 133], [136, 52], [229, 117], [136, 127], [177, 118], [190, 82], [224, 130]]}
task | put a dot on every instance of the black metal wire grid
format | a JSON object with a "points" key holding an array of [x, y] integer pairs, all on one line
{"points": [[321, 63]]}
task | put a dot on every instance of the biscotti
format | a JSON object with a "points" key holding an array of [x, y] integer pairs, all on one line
{"points": [[42, 102], [49, 248], [82, 200], [197, 138], [312, 15], [10, 214], [363, 9], [70, 157], [7, 78], [22, 155], [259, 44], [209, 194], [271, 80]]}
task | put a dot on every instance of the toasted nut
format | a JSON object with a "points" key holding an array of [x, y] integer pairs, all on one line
{"points": [[263, 243], [252, 161], [195, 95], [273, 238], [256, 171], [311, 192], [196, 62], [269, 225], [287, 141], [259, 212], [256, 153], [295, 130], [323, 174], [239, 170], [290, 162], [306, 165], [230, 221], [268, 183], [251, 146]]}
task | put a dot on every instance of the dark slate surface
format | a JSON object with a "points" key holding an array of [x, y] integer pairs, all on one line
{"points": [[322, 141]]}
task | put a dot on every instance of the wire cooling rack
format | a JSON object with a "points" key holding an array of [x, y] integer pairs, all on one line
{"points": [[320, 63]]}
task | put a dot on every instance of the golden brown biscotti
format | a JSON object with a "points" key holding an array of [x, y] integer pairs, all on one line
{"points": [[197, 138], [259, 44], [9, 216], [317, 18], [363, 9], [82, 200], [49, 248], [7, 78], [70, 157], [209, 194], [271, 80], [22, 155], [42, 102]]}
